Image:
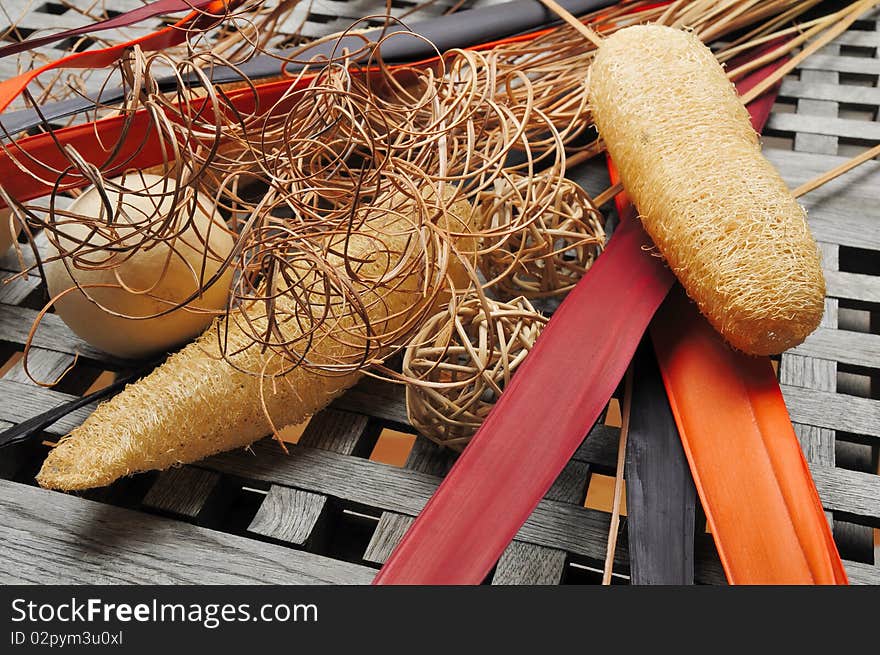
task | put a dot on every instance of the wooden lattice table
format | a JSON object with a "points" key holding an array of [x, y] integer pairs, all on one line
{"points": [[332, 510]]}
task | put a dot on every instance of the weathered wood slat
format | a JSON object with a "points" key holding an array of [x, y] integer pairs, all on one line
{"points": [[853, 286], [799, 167], [835, 411], [851, 492], [335, 430], [50, 537], [844, 127], [818, 143], [841, 64], [817, 444], [44, 365], [600, 447], [860, 95], [290, 515], [837, 210], [863, 38], [37, 20], [528, 564], [23, 401], [376, 398], [389, 531], [862, 574], [182, 491], [571, 485], [428, 457], [845, 224], [425, 457], [9, 261], [53, 334], [660, 493], [855, 348], [14, 291]]}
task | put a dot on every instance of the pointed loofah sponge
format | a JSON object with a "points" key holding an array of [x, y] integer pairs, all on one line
{"points": [[716, 208], [196, 404]]}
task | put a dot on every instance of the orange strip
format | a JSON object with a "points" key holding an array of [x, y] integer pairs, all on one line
{"points": [[38, 157], [748, 467], [41, 157]]}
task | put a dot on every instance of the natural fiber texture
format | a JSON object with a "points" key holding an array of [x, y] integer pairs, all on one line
{"points": [[716, 208], [459, 363], [548, 239], [198, 403]]}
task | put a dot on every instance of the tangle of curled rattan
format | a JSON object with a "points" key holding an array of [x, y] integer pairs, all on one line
{"points": [[555, 241]]}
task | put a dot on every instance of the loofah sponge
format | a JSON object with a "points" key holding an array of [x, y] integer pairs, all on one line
{"points": [[197, 403], [718, 211]]}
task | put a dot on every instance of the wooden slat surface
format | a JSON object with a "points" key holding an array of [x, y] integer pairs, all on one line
{"points": [[856, 348], [554, 524], [822, 125], [830, 384], [21, 401], [289, 515], [53, 538], [833, 410], [388, 533], [182, 491], [528, 564]]}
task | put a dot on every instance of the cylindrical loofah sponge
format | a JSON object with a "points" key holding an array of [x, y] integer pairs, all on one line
{"points": [[716, 208], [197, 403]]}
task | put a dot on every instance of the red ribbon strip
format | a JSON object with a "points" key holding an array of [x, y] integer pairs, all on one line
{"points": [[209, 12], [158, 8]]}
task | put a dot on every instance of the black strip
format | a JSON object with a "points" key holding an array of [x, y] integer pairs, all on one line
{"points": [[458, 30], [660, 493], [35, 425]]}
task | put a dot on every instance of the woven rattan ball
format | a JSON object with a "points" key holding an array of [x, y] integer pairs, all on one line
{"points": [[460, 362], [542, 236]]}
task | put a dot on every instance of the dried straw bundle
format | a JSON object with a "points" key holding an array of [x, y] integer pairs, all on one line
{"points": [[717, 209]]}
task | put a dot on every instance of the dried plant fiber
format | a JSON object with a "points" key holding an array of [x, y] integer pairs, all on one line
{"points": [[7, 231], [199, 403], [716, 208]]}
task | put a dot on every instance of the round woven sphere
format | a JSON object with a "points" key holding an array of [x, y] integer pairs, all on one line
{"points": [[461, 360], [542, 236]]}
